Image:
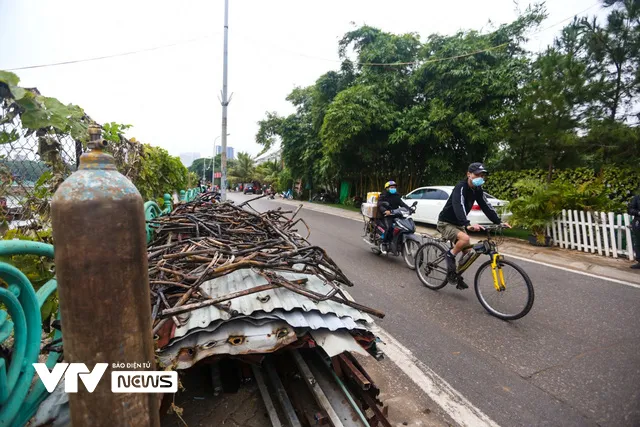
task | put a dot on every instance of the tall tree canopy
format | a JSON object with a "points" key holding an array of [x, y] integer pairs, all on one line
{"points": [[418, 111]]}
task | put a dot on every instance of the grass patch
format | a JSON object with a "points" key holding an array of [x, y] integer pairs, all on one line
{"points": [[339, 206]]}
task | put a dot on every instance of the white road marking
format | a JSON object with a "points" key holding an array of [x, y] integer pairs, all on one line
{"points": [[459, 408], [570, 270]]}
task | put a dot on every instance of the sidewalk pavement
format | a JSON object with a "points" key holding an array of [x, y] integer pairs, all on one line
{"points": [[611, 268]]}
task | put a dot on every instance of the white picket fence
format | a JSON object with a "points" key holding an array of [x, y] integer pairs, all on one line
{"points": [[604, 233]]}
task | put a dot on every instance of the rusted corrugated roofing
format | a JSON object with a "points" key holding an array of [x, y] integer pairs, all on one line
{"points": [[297, 319], [234, 337], [296, 309]]}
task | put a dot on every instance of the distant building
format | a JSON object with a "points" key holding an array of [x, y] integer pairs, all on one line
{"points": [[269, 157], [231, 152], [188, 158]]}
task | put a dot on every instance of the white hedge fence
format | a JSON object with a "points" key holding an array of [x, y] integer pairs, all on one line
{"points": [[604, 233]]}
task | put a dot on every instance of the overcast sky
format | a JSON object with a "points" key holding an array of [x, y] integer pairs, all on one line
{"points": [[170, 95]]}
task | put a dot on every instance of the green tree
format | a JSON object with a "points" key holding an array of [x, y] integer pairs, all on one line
{"points": [[613, 51], [204, 163], [244, 169], [268, 172], [160, 173], [613, 56], [542, 133]]}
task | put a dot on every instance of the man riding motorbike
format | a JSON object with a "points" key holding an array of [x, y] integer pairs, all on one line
{"points": [[388, 201]]}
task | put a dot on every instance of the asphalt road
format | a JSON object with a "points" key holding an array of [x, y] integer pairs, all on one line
{"points": [[573, 360]]}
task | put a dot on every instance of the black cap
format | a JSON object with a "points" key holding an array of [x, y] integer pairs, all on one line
{"points": [[477, 168]]}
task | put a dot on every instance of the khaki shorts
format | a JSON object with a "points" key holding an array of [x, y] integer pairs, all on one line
{"points": [[450, 231]]}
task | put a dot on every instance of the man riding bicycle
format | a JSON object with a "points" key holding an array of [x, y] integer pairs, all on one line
{"points": [[453, 223]]}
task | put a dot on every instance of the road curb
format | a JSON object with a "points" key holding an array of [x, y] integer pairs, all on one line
{"points": [[572, 260]]}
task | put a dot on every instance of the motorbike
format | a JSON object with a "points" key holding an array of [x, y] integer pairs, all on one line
{"points": [[357, 201], [287, 195], [404, 241], [323, 197]]}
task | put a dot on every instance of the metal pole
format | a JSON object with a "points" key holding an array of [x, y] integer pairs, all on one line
{"points": [[316, 390], [281, 394], [225, 103], [266, 397]]}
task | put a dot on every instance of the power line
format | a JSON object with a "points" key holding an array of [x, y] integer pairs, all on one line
{"points": [[115, 55], [371, 64], [379, 64], [566, 19]]}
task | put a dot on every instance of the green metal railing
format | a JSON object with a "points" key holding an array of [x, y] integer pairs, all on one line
{"points": [[152, 211], [21, 322], [18, 400]]}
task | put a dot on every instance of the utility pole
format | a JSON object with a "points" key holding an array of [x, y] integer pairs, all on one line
{"points": [[225, 103]]}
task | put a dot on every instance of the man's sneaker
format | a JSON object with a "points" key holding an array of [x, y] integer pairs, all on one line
{"points": [[451, 262], [383, 248], [636, 266], [461, 283]]}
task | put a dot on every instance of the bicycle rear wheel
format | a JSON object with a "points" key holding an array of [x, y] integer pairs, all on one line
{"points": [[431, 266], [511, 303]]}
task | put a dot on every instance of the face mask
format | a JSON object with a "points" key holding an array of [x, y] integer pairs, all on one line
{"points": [[392, 191], [477, 182]]}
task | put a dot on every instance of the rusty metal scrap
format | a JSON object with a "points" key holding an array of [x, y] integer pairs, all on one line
{"points": [[203, 240]]}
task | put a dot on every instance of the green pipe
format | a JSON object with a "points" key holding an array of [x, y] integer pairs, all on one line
{"points": [[19, 346], [25, 247], [28, 303]]}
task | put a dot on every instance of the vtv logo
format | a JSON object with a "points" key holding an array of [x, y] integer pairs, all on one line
{"points": [[71, 372]]}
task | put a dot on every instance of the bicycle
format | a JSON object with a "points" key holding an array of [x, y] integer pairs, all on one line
{"points": [[500, 290]]}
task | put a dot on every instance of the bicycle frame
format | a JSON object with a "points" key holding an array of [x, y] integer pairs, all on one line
{"points": [[496, 270]]}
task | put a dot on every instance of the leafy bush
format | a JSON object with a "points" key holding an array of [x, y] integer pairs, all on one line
{"points": [[538, 202], [537, 205], [285, 180], [160, 173], [617, 184]]}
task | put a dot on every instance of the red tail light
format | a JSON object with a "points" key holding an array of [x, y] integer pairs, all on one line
{"points": [[475, 207]]}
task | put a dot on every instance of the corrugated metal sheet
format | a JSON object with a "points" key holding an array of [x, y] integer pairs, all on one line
{"points": [[297, 319], [279, 301], [233, 337], [337, 342]]}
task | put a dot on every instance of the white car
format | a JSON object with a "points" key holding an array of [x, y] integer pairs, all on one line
{"points": [[431, 200]]}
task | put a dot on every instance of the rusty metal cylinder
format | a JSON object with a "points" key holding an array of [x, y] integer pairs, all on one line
{"points": [[102, 271]]}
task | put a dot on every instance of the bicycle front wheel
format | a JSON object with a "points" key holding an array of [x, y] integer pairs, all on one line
{"points": [[514, 300], [431, 266]]}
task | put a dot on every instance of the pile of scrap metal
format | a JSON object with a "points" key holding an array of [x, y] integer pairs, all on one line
{"points": [[230, 282]]}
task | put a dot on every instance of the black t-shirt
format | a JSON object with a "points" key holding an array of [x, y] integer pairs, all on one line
{"points": [[461, 201]]}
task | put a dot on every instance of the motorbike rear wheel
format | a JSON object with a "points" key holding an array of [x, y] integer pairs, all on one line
{"points": [[409, 250]]}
